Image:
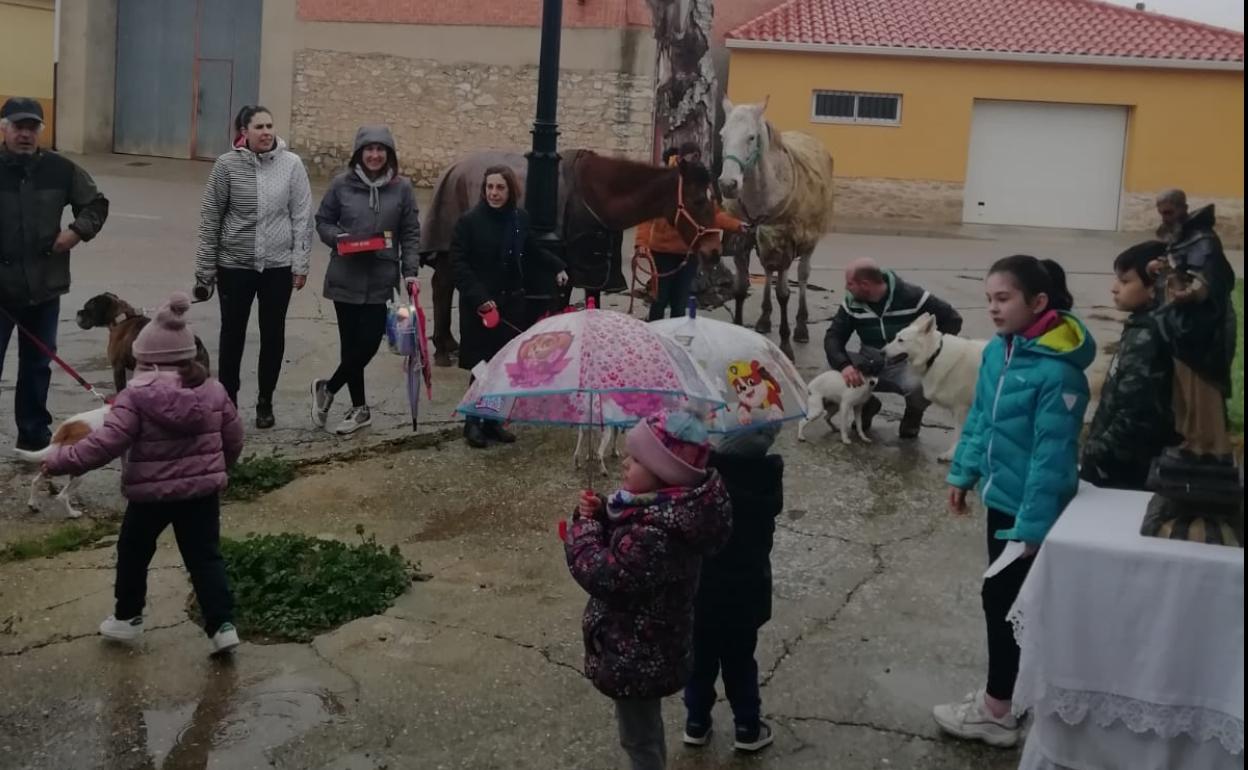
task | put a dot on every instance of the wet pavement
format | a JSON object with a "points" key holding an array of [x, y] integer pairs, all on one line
{"points": [[877, 592]]}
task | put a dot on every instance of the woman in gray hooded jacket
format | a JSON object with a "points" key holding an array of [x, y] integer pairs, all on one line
{"points": [[368, 200]]}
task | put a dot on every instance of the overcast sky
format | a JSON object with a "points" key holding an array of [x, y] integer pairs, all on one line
{"points": [[1223, 13]]}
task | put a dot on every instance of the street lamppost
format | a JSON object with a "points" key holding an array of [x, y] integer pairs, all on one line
{"points": [[541, 188]]}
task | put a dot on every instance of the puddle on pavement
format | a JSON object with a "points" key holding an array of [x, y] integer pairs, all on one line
{"points": [[229, 726]]}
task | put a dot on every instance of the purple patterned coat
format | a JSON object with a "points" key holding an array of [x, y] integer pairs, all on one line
{"points": [[640, 567]]}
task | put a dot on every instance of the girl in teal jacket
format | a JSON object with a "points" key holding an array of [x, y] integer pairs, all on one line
{"points": [[1020, 447]]}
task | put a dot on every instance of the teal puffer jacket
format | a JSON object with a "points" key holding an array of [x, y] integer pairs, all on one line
{"points": [[1021, 438]]}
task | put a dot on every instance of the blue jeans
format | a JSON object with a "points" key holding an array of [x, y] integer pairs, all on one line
{"points": [[728, 652], [34, 369], [674, 289]]}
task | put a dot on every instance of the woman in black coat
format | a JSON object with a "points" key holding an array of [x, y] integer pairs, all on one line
{"points": [[497, 266]]}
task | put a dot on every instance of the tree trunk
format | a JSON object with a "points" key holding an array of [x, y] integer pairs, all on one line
{"points": [[685, 89]]}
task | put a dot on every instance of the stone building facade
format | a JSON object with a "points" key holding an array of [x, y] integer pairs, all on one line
{"points": [[451, 80], [438, 111]]}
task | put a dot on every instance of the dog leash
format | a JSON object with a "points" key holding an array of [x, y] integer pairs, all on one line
{"points": [[39, 344]]}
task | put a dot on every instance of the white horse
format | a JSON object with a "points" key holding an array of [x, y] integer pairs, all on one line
{"points": [[781, 183]]}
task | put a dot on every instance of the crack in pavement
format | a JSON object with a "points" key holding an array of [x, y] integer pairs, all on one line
{"points": [[71, 601], [806, 533], [854, 723], [545, 652], [922, 533], [98, 567], [355, 683], [789, 646], [65, 638]]}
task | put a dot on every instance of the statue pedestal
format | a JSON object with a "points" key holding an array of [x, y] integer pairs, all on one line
{"points": [[1196, 501]]}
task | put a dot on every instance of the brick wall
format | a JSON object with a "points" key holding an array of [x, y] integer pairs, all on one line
{"points": [[439, 111], [610, 14]]}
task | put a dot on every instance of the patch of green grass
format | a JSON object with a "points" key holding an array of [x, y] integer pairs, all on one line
{"points": [[1235, 406], [290, 587], [254, 475], [69, 537]]}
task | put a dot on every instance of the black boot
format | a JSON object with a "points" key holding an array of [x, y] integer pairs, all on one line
{"points": [[495, 431], [474, 433], [264, 414], [911, 422], [869, 411]]}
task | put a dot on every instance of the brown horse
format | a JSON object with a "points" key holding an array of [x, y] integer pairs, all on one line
{"points": [[599, 197]]}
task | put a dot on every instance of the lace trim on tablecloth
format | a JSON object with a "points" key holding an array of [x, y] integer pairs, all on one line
{"points": [[1074, 706]]}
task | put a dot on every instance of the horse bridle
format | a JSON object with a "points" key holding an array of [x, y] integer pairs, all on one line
{"points": [[746, 164], [682, 212]]}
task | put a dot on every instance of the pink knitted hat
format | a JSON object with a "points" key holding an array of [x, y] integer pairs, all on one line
{"points": [[673, 446], [167, 339]]}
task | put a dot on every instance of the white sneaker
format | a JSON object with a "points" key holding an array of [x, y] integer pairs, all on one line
{"points": [[122, 630], [322, 400], [225, 640], [357, 417], [970, 720]]}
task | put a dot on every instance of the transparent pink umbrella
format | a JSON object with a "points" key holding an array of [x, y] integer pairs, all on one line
{"points": [[593, 368]]}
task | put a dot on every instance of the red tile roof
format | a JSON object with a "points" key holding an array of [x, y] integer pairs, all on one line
{"points": [[1045, 27]]}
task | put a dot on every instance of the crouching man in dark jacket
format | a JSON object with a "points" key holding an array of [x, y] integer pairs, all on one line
{"points": [[35, 187], [877, 305]]}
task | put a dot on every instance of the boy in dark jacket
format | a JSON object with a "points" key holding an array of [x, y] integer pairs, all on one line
{"points": [[734, 595], [1134, 421]]}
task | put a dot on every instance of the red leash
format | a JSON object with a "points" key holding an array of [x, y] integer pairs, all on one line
{"points": [[38, 343]]}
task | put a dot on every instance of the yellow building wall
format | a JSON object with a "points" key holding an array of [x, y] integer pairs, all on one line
{"points": [[26, 53], [1185, 128]]}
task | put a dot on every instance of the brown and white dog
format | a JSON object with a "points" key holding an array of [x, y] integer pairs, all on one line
{"points": [[71, 431], [124, 324]]}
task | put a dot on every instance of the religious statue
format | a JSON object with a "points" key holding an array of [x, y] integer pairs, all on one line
{"points": [[1200, 491]]}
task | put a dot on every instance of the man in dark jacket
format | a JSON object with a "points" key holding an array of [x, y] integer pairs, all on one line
{"points": [[35, 187], [1134, 421], [877, 305], [734, 593]]}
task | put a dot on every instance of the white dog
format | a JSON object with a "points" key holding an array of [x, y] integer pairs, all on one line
{"points": [[608, 445], [949, 366], [71, 431], [830, 388]]}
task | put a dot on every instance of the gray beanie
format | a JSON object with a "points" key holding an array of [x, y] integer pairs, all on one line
{"points": [[749, 443]]}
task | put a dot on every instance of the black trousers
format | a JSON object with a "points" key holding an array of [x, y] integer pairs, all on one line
{"points": [[197, 527], [730, 652], [674, 289], [999, 593], [237, 289], [360, 329]]}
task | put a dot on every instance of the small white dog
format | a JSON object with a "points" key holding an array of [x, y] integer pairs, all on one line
{"points": [[949, 366], [830, 388], [608, 445], [71, 431]]}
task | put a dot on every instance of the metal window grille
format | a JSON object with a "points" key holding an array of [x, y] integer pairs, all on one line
{"points": [[856, 107]]}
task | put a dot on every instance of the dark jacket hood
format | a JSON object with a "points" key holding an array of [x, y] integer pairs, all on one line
{"points": [[1200, 220], [367, 135]]}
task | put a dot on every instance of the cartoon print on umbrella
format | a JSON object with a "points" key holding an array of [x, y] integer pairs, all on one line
{"points": [[758, 392]]}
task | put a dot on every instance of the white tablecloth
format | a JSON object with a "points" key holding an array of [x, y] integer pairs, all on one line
{"points": [[1133, 631]]}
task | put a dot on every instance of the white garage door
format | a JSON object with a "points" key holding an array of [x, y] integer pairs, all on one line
{"points": [[1045, 165]]}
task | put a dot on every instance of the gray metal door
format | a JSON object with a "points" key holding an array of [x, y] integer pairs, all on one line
{"points": [[184, 69]]}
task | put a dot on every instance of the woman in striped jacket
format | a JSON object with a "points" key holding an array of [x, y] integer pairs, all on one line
{"points": [[255, 235]]}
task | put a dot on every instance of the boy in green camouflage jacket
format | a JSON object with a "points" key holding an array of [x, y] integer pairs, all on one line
{"points": [[1134, 421]]}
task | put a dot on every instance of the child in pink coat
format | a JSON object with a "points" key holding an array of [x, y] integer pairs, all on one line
{"points": [[178, 432]]}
